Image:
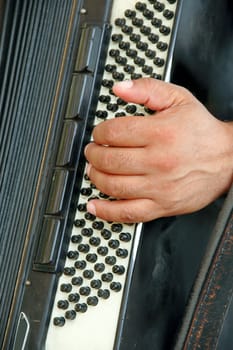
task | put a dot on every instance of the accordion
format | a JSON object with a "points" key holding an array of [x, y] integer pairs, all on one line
{"points": [[66, 276]]}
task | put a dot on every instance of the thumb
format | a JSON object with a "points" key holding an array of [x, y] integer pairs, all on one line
{"points": [[154, 94]]}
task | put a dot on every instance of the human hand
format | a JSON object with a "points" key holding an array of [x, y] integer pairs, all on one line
{"points": [[172, 162]]}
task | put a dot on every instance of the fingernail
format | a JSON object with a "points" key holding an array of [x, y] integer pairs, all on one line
{"points": [[126, 84], [91, 208], [88, 169]]}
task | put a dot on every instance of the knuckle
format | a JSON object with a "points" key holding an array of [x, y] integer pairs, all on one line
{"points": [[165, 133], [165, 164], [115, 188], [168, 164], [128, 215], [111, 132], [106, 160]]}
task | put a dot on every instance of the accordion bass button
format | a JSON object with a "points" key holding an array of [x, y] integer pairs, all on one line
{"points": [[103, 293], [93, 301], [82, 307], [70, 315], [115, 286], [63, 304], [59, 321]]}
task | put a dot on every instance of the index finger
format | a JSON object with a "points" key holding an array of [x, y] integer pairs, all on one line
{"points": [[122, 132]]}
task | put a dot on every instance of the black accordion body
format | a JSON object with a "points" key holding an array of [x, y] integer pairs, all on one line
{"points": [[67, 278]]}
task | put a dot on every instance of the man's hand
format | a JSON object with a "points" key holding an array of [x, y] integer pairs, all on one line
{"points": [[175, 161]]}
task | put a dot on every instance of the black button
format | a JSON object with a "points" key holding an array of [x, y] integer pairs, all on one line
{"points": [[82, 207], [110, 260], [150, 53], [82, 307], [107, 277], [59, 321], [77, 281], [95, 241], [92, 301], [122, 253], [96, 284], [91, 257], [131, 53], [115, 286], [102, 251], [90, 216], [128, 69], [79, 223], [121, 60], [137, 22], [101, 114], [139, 61], [159, 62], [118, 269], [83, 248], [87, 232], [76, 239], [120, 22], [164, 30], [88, 274], [162, 46], [103, 293], [62, 304], [74, 297], [99, 267], [106, 234], [135, 37], [73, 255], [117, 37], [147, 70], [70, 315], [117, 76], [131, 109], [168, 14], [107, 83], [105, 98], [140, 6], [69, 271], [117, 228], [113, 243], [156, 22], [148, 14], [127, 29], [145, 30], [125, 236], [130, 13], [86, 191], [80, 264], [66, 287], [114, 53], [124, 45], [85, 291], [153, 38], [159, 6]]}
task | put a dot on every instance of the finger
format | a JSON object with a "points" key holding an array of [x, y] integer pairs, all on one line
{"points": [[125, 211], [111, 160], [122, 187], [154, 94], [126, 132]]}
